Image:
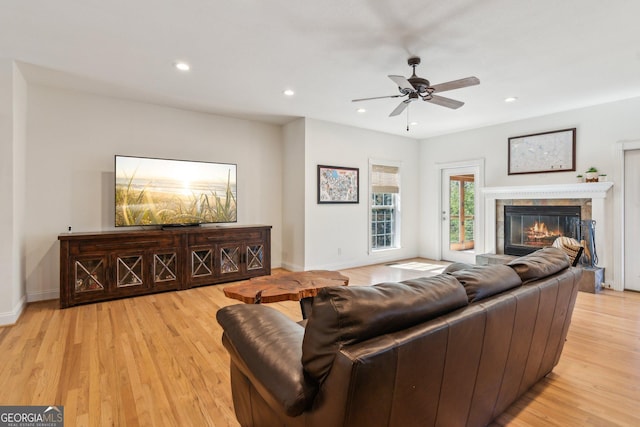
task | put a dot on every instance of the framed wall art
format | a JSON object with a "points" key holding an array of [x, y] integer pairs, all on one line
{"points": [[338, 184], [553, 151]]}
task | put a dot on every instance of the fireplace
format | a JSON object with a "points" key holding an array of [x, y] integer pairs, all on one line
{"points": [[592, 197], [529, 228]]}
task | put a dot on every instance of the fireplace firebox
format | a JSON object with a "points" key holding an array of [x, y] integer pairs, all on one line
{"points": [[529, 228]]}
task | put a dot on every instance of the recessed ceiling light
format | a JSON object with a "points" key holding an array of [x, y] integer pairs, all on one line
{"points": [[413, 123], [361, 110], [511, 99], [182, 66], [289, 92]]}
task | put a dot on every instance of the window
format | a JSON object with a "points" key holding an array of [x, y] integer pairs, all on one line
{"points": [[385, 204], [461, 212]]}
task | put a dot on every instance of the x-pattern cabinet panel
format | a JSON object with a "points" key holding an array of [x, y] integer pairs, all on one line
{"points": [[220, 256], [241, 259], [108, 265]]}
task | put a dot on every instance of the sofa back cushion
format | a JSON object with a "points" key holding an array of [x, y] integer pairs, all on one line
{"points": [[457, 266], [483, 281], [540, 264], [344, 315]]}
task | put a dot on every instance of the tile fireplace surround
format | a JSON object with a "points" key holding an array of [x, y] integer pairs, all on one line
{"points": [[590, 196]]}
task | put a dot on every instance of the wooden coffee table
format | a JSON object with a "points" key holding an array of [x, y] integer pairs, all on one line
{"points": [[298, 286]]}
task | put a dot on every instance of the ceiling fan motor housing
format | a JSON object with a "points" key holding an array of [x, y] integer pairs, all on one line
{"points": [[421, 85]]}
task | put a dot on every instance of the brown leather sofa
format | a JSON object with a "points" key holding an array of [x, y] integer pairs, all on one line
{"points": [[452, 350]]}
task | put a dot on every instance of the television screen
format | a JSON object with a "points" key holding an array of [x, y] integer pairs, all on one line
{"points": [[173, 192]]}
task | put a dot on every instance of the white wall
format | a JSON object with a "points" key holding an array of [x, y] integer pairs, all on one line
{"points": [[13, 93], [19, 180], [336, 236], [598, 130], [7, 273], [293, 187], [71, 142]]}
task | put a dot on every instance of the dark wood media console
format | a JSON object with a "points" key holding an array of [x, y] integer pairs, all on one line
{"points": [[118, 264]]}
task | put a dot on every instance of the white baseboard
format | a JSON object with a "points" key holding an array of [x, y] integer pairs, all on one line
{"points": [[43, 295], [11, 317], [291, 267]]}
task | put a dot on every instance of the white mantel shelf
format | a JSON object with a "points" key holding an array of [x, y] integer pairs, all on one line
{"points": [[587, 190], [596, 191]]}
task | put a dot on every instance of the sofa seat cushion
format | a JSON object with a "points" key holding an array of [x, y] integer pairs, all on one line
{"points": [[483, 281], [344, 315], [540, 264]]}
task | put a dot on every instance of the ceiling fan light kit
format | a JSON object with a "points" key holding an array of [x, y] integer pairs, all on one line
{"points": [[418, 88]]}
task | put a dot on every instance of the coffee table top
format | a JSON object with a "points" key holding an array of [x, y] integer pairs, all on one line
{"points": [[285, 287]]}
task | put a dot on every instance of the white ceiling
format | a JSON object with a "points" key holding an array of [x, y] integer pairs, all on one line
{"points": [[553, 55]]}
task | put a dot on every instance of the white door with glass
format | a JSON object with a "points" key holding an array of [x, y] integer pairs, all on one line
{"points": [[458, 214], [631, 222]]}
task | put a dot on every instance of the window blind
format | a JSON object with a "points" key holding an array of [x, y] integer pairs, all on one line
{"points": [[385, 179]]}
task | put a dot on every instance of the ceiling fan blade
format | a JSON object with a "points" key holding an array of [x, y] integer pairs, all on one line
{"points": [[445, 102], [376, 97], [403, 83], [456, 84], [400, 108]]}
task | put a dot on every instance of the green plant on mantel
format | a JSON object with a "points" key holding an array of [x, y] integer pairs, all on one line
{"points": [[591, 175]]}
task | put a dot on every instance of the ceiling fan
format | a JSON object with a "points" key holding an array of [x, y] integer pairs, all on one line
{"points": [[415, 88]]}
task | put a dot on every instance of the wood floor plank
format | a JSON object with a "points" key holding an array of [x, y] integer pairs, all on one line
{"points": [[158, 360]]}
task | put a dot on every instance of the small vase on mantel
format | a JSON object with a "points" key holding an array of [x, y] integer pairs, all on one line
{"points": [[579, 178], [602, 177], [591, 175]]}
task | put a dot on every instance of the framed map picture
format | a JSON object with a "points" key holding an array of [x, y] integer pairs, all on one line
{"points": [[338, 184], [543, 152]]}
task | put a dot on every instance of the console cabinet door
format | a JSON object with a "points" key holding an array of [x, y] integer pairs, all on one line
{"points": [[256, 259], [165, 269], [231, 266], [89, 279], [130, 270], [202, 269]]}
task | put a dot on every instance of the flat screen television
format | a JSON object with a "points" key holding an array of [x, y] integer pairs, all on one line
{"points": [[167, 192]]}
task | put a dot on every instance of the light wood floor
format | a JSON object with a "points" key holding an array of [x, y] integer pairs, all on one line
{"points": [[158, 360]]}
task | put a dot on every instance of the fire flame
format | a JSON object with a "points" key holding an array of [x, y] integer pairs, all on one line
{"points": [[540, 231]]}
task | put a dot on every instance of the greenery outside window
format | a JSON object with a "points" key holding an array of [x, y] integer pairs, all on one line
{"points": [[461, 214], [385, 204]]}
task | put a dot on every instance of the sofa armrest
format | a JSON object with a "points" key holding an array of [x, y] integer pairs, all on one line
{"points": [[267, 347]]}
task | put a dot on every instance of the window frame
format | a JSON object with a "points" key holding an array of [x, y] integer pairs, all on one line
{"points": [[395, 207]]}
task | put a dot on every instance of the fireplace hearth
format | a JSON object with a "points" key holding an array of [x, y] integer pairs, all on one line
{"points": [[529, 228]]}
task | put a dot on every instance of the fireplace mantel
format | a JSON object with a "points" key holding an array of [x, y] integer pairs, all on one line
{"points": [[596, 191], [588, 190]]}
